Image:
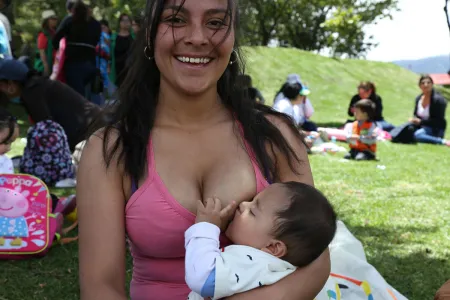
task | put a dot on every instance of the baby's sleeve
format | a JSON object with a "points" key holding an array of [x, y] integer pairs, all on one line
{"points": [[202, 249]]}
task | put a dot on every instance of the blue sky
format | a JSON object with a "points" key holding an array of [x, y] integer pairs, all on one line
{"points": [[419, 30]]}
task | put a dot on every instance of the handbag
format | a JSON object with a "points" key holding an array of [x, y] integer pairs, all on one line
{"points": [[404, 134]]}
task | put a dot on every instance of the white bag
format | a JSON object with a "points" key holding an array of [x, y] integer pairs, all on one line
{"points": [[352, 277]]}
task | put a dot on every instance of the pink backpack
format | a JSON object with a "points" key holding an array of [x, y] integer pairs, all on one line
{"points": [[28, 225]]}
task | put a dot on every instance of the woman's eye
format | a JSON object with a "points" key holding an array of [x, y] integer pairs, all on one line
{"points": [[217, 23], [174, 20]]}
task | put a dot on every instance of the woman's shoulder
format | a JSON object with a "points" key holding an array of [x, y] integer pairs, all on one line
{"points": [[439, 97]]}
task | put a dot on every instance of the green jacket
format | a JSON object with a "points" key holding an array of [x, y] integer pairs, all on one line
{"points": [[112, 73], [38, 64]]}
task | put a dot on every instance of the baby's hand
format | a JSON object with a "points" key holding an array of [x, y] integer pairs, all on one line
{"points": [[213, 213]]}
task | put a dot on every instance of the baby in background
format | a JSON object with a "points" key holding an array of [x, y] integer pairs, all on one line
{"points": [[288, 225], [9, 131]]}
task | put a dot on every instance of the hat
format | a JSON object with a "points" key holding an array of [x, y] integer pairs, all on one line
{"points": [[11, 69], [293, 79], [305, 91], [47, 14]]}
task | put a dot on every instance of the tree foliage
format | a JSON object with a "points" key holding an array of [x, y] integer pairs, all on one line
{"points": [[314, 25]]}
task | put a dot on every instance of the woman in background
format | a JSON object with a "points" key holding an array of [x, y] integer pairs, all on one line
{"points": [[367, 90], [44, 65], [429, 114], [82, 33], [121, 43]]}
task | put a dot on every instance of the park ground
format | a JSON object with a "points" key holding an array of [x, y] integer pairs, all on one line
{"points": [[400, 211]]}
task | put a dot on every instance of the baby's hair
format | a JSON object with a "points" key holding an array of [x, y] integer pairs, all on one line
{"points": [[292, 90], [366, 106], [307, 225], [7, 121]]}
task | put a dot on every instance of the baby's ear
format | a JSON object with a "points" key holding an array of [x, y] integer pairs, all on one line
{"points": [[276, 247]]}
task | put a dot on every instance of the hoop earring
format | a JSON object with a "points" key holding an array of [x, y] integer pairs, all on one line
{"points": [[146, 55], [236, 55]]}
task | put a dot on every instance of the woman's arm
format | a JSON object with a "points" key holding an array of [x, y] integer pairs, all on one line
{"points": [[101, 215], [305, 283]]}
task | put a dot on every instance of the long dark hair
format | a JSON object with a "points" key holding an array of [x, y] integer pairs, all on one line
{"points": [[134, 115], [80, 17]]}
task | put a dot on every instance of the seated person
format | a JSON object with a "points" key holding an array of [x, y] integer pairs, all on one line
{"points": [[45, 99], [254, 93], [429, 114], [9, 131], [305, 110], [287, 225], [363, 137], [291, 79], [367, 90], [292, 97]]}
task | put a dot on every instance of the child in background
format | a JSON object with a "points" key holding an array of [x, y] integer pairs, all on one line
{"points": [[9, 131], [363, 137], [287, 225]]}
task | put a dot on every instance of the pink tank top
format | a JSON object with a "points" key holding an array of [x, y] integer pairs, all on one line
{"points": [[155, 224]]}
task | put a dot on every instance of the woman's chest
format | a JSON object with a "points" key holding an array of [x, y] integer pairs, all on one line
{"points": [[198, 167]]}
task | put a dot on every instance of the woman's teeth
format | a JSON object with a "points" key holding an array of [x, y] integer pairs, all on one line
{"points": [[203, 60]]}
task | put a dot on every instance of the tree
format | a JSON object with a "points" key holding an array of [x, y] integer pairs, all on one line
{"points": [[314, 25]]}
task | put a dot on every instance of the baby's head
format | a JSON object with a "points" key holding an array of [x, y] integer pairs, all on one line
{"points": [[292, 221], [9, 130], [364, 110]]}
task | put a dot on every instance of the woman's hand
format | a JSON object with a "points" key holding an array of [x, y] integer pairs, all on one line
{"points": [[213, 213], [415, 121]]}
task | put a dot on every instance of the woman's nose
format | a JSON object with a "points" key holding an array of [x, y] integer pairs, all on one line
{"points": [[196, 35]]}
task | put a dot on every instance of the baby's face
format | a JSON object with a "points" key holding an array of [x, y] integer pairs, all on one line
{"points": [[254, 221]]}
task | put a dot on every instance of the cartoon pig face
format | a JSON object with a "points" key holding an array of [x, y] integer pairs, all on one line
{"points": [[12, 204]]}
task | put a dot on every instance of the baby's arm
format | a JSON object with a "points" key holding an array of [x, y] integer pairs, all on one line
{"points": [[202, 249], [202, 245]]}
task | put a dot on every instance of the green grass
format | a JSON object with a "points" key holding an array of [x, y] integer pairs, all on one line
{"points": [[401, 214]]}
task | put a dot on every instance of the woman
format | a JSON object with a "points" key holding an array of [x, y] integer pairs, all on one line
{"points": [[121, 43], [429, 114], [182, 132], [290, 101], [45, 99], [44, 64], [82, 33], [367, 90], [136, 24]]}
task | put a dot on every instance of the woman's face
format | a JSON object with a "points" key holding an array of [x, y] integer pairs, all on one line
{"points": [[426, 85], [52, 23], [125, 23], [192, 49], [105, 28], [5, 146], [364, 94], [10, 88]]}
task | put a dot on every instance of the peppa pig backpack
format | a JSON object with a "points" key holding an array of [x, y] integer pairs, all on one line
{"points": [[31, 221]]}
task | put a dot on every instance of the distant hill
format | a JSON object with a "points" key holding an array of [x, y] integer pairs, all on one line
{"points": [[436, 64]]}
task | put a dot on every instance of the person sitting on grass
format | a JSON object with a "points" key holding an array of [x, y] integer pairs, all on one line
{"points": [[288, 225], [363, 138], [9, 131]]}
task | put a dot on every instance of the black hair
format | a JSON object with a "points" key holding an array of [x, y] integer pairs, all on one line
{"points": [[291, 90], [104, 22], [425, 76], [368, 86], [69, 5], [122, 15], [307, 225], [245, 81], [80, 18], [7, 121], [366, 106], [134, 115]]}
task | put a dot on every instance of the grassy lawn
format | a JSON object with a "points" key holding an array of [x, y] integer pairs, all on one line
{"points": [[401, 213]]}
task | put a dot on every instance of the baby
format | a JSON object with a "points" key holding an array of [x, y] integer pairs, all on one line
{"points": [[287, 225]]}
